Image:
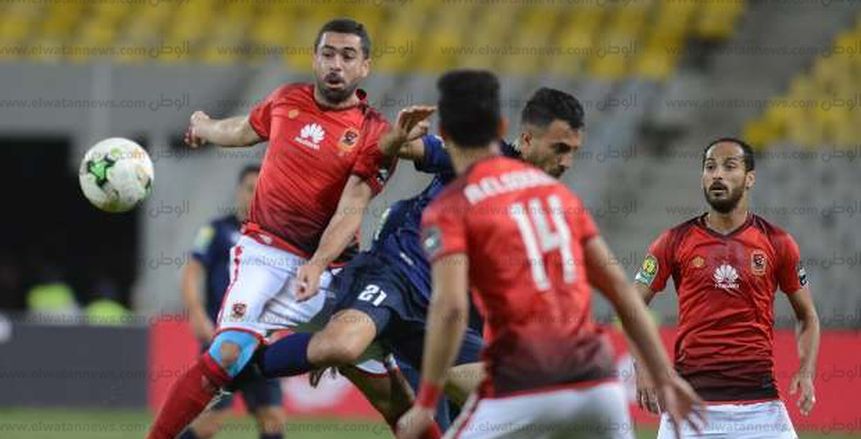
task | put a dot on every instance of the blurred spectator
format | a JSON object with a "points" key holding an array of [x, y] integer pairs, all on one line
{"points": [[51, 300], [105, 309]]}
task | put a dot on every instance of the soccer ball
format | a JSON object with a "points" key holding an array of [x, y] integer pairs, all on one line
{"points": [[116, 174]]}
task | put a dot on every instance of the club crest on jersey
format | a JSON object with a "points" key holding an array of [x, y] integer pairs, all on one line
{"points": [[698, 262], [432, 241], [758, 262], [311, 135], [648, 271], [726, 277], [238, 310], [348, 139]]}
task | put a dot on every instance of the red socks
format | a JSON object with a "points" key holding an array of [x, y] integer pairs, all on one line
{"points": [[188, 397]]}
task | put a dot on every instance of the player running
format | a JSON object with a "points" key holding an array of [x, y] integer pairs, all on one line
{"points": [[726, 265], [528, 250], [384, 292], [209, 262], [322, 167]]}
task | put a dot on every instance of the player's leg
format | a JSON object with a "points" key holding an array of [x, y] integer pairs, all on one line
{"points": [[462, 381], [365, 294], [209, 422], [468, 372], [254, 281], [342, 341], [264, 399]]}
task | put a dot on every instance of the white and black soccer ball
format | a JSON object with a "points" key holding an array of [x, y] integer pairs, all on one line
{"points": [[116, 175]]}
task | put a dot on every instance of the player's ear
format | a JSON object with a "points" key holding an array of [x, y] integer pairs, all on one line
{"points": [[366, 67], [525, 139], [749, 179]]}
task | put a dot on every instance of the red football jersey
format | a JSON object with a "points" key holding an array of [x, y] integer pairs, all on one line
{"points": [[312, 151], [523, 233], [726, 286]]}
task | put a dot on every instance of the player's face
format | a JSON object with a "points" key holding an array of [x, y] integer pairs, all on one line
{"points": [[725, 180], [339, 66], [551, 148], [245, 193]]}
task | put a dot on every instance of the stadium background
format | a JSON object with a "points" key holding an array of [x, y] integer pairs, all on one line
{"points": [[658, 79]]}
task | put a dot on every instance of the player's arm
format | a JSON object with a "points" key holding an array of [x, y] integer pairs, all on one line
{"points": [[605, 274], [807, 335], [338, 235], [448, 314], [192, 273], [647, 397], [230, 132]]}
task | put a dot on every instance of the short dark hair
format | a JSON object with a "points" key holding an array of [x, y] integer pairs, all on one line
{"points": [[248, 170], [469, 107], [747, 150], [346, 26], [549, 104]]}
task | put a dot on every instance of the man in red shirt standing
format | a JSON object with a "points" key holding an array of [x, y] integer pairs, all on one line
{"points": [[529, 251], [727, 265], [321, 169]]}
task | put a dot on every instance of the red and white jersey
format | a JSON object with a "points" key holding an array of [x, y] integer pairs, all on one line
{"points": [[726, 286], [312, 152], [523, 233]]}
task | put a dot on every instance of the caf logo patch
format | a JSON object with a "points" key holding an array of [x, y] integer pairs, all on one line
{"points": [[432, 241], [238, 310], [648, 271], [758, 262], [802, 274], [292, 113], [348, 139]]}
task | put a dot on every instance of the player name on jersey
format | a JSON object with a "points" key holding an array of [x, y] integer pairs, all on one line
{"points": [[508, 182]]}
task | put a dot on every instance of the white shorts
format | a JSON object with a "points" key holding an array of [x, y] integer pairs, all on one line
{"points": [[260, 300], [763, 420], [600, 411]]}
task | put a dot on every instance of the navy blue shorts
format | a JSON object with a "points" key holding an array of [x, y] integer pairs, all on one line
{"points": [[257, 392], [398, 310]]}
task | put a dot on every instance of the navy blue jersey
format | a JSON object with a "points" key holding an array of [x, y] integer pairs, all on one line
{"points": [[397, 240], [212, 249]]}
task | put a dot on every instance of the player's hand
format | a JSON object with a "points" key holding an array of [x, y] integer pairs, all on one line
{"points": [[647, 395], [682, 404], [804, 381], [414, 423], [192, 134], [412, 122], [307, 281]]}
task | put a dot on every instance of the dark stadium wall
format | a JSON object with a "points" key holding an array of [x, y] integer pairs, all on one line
{"points": [[73, 366]]}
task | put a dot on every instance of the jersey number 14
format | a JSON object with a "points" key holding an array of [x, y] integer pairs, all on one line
{"points": [[533, 221]]}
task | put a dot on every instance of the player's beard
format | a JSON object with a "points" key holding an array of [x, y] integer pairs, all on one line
{"points": [[336, 96], [726, 204]]}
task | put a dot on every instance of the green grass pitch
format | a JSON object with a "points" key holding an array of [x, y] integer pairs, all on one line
{"points": [[109, 424]]}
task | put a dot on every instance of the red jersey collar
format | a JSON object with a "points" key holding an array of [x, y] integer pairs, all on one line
{"points": [[747, 222]]}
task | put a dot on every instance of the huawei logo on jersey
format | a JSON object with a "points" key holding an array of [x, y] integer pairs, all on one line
{"points": [[726, 277], [311, 135]]}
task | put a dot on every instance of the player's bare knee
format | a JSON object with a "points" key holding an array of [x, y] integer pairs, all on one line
{"points": [[228, 354], [329, 348]]}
